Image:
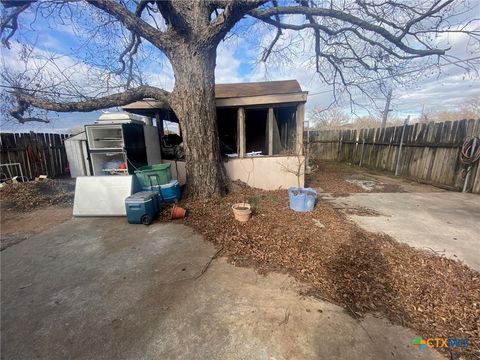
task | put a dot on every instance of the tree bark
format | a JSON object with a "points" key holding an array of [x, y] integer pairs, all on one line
{"points": [[193, 100]]}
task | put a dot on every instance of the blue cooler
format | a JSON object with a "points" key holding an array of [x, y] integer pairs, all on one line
{"points": [[169, 193], [142, 207]]}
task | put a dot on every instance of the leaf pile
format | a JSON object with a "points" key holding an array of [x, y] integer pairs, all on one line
{"points": [[338, 261], [30, 195]]}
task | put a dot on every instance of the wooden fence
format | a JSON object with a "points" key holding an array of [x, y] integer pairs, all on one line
{"points": [[37, 154], [429, 152]]}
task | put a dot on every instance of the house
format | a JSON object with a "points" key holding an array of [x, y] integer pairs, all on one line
{"points": [[260, 127]]}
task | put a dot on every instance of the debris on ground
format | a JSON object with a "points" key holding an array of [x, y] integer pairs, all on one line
{"points": [[344, 264], [359, 211], [27, 196], [367, 185], [339, 179], [330, 180], [318, 223]]}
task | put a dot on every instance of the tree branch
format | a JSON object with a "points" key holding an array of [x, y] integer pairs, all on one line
{"points": [[162, 40], [269, 49], [312, 21], [19, 111], [10, 21], [265, 14], [26, 100], [232, 13], [172, 17]]}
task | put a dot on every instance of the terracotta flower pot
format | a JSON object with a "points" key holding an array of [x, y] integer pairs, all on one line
{"points": [[242, 211], [177, 212]]}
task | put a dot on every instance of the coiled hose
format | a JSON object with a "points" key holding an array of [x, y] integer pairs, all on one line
{"points": [[466, 158]]}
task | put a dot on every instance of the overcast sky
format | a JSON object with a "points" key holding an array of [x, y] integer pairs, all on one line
{"points": [[237, 61]]}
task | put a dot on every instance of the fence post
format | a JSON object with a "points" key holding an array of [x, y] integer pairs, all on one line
{"points": [[339, 148], [361, 153], [469, 169], [401, 143]]}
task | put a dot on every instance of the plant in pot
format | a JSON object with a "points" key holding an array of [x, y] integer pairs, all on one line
{"points": [[301, 199]]}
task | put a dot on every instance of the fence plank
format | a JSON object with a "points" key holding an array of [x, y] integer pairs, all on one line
{"points": [[430, 153], [37, 153]]}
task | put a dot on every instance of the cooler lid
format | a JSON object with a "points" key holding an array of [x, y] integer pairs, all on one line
{"points": [[141, 197], [172, 183]]}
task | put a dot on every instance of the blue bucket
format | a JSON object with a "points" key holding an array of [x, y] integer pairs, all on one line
{"points": [[302, 199]]}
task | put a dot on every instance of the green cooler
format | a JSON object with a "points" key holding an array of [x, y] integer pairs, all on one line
{"points": [[153, 175]]}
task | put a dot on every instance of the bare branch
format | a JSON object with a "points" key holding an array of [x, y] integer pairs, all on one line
{"points": [[269, 49], [18, 113], [10, 21], [312, 21], [265, 14], [162, 40], [25, 100], [131, 49], [233, 12]]}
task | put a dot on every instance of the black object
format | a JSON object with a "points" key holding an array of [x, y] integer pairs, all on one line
{"points": [[146, 219], [170, 145]]}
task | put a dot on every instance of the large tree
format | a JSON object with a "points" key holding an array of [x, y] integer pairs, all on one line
{"points": [[353, 43]]}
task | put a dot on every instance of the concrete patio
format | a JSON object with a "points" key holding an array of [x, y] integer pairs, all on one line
{"points": [[96, 288], [447, 223]]}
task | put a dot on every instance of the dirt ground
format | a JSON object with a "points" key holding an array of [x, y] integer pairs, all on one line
{"points": [[17, 226], [30, 208], [341, 179]]}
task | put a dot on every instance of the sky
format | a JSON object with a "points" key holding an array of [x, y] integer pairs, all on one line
{"points": [[66, 46]]}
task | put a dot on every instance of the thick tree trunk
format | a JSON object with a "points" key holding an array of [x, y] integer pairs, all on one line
{"points": [[193, 101]]}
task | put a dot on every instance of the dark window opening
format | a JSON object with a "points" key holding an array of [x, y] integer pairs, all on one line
{"points": [[256, 131], [284, 130], [227, 130]]}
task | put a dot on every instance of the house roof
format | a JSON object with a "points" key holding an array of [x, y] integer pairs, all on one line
{"points": [[223, 91], [234, 95]]}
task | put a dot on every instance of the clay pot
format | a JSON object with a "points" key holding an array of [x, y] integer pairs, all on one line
{"points": [[242, 211], [177, 212]]}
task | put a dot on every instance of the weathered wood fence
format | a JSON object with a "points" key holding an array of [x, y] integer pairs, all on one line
{"points": [[429, 152], [37, 154]]}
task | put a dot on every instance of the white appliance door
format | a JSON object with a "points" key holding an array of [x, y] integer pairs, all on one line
{"points": [[103, 195]]}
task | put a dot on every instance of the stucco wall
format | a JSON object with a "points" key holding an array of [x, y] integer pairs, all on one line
{"points": [[181, 175], [263, 172]]}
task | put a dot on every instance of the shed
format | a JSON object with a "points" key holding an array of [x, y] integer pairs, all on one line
{"points": [[260, 127]]}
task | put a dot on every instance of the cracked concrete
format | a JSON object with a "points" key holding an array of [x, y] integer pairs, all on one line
{"points": [[103, 289]]}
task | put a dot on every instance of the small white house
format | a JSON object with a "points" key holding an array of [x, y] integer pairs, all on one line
{"points": [[260, 127]]}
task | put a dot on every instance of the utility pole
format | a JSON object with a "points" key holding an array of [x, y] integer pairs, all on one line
{"points": [[387, 109]]}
